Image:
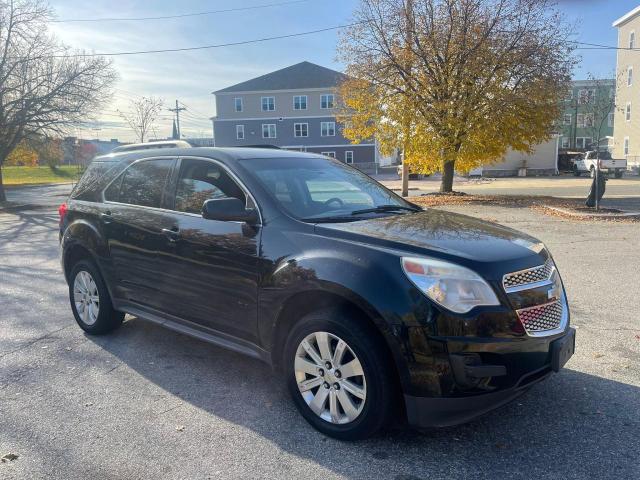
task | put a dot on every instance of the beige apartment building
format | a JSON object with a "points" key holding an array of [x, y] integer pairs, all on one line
{"points": [[626, 132]]}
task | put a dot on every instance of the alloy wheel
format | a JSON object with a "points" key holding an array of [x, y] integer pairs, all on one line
{"points": [[86, 297], [330, 378]]}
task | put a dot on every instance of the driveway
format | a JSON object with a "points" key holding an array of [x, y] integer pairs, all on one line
{"points": [[40, 195], [145, 402]]}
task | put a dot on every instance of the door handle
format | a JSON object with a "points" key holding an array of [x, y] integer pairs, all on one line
{"points": [[106, 217], [173, 234]]}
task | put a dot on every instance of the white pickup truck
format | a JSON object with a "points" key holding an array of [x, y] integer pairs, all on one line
{"points": [[588, 161]]}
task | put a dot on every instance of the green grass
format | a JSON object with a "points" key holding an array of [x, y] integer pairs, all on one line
{"points": [[39, 175]]}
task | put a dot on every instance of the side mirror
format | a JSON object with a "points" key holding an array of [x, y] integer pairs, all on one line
{"points": [[228, 209]]}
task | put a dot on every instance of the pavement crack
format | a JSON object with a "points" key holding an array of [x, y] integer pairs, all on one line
{"points": [[34, 341]]}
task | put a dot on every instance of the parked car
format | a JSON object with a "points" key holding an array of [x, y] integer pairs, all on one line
{"points": [[370, 308], [413, 175], [588, 162]]}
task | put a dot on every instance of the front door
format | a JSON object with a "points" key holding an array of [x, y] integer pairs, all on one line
{"points": [[214, 264]]}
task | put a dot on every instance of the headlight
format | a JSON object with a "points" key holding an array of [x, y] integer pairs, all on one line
{"points": [[454, 287]]}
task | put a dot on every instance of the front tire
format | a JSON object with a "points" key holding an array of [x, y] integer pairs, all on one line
{"points": [[90, 300], [338, 375], [618, 173]]}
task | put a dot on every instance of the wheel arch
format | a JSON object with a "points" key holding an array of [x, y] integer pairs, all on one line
{"points": [[302, 303]]}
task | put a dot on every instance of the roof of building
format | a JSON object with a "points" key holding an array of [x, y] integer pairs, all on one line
{"points": [[299, 76], [626, 17]]}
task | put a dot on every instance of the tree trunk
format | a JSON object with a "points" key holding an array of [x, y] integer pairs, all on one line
{"points": [[446, 186], [3, 197]]}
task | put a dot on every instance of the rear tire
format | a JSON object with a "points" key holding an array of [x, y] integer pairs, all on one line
{"points": [[351, 404], [90, 300], [618, 173]]}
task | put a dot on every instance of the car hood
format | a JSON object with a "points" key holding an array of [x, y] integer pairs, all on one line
{"points": [[444, 234]]}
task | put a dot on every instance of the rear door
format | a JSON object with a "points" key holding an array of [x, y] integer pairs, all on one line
{"points": [[138, 226], [212, 265]]}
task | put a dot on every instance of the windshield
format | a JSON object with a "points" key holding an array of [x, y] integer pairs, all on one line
{"points": [[322, 189]]}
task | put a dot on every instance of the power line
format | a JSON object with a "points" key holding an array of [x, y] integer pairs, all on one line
{"points": [[182, 15], [205, 47]]}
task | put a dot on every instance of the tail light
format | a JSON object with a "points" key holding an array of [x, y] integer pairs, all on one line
{"points": [[62, 212]]}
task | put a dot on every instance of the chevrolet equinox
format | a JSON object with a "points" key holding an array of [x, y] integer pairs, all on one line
{"points": [[372, 308]]}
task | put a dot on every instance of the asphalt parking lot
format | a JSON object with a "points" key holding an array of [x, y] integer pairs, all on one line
{"points": [[145, 402]]}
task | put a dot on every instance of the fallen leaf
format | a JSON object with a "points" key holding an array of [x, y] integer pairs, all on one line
{"points": [[180, 428], [598, 355], [68, 349], [88, 404], [9, 457]]}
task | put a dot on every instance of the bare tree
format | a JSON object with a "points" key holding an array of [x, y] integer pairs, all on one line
{"points": [[45, 88], [477, 76], [142, 115]]}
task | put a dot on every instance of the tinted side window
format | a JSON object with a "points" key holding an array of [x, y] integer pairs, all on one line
{"points": [[143, 183], [93, 180], [199, 181], [112, 193]]}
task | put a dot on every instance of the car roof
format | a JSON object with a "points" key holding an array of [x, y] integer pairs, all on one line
{"points": [[228, 154]]}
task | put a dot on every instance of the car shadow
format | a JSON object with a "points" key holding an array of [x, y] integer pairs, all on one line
{"points": [[574, 425]]}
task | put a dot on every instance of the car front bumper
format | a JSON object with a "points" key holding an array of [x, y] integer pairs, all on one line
{"points": [[423, 412]]}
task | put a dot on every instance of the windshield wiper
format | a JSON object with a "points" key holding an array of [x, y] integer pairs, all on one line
{"points": [[328, 219], [385, 208]]}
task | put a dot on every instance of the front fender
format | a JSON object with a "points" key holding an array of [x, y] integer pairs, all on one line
{"points": [[375, 285]]}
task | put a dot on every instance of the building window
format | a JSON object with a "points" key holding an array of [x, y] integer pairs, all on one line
{"points": [[268, 104], [586, 95], [626, 146], [569, 94], [348, 156], [268, 130], [300, 102], [567, 119], [327, 129], [329, 154], [564, 142], [580, 120], [629, 76], [240, 132], [632, 39], [610, 120], [237, 104], [327, 101], [583, 142], [627, 112], [300, 129], [588, 120], [612, 94]]}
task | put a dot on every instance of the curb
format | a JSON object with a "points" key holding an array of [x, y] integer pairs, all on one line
{"points": [[571, 213], [23, 185]]}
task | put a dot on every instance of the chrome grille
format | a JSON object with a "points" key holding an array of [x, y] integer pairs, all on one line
{"points": [[517, 280], [540, 318]]}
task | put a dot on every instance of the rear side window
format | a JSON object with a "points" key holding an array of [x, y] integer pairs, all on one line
{"points": [[93, 180], [143, 183]]}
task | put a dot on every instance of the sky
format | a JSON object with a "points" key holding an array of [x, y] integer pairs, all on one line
{"points": [[190, 77]]}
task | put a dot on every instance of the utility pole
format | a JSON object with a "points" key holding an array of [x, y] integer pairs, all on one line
{"points": [[408, 15], [177, 111]]}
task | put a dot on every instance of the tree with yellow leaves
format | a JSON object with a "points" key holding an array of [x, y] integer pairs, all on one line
{"points": [[474, 77], [23, 155]]}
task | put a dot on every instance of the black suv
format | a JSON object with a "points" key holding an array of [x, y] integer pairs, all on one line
{"points": [[373, 308]]}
